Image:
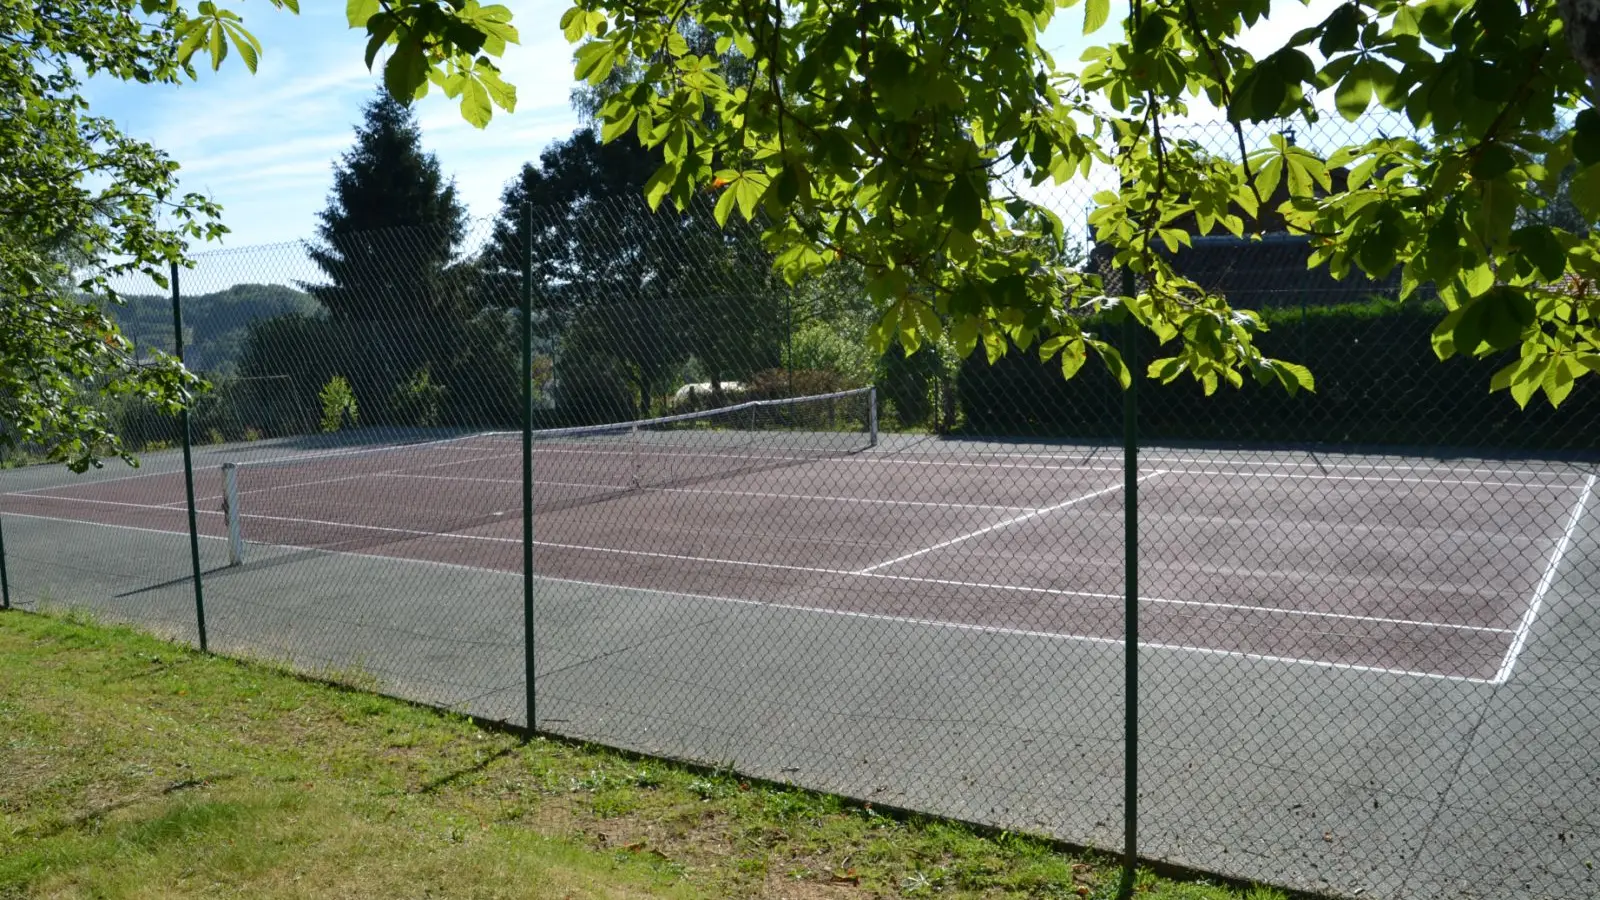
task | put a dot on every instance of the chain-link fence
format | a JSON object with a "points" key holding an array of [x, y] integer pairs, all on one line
{"points": [[631, 488]]}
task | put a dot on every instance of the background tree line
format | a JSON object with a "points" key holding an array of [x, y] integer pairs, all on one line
{"points": [[417, 315]]}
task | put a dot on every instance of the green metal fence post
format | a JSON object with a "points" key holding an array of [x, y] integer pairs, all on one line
{"points": [[1130, 541], [527, 459], [188, 469], [5, 580]]}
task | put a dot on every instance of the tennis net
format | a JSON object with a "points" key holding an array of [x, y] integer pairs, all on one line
{"points": [[362, 497]]}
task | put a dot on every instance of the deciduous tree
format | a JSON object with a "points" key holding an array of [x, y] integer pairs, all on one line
{"points": [[903, 134]]}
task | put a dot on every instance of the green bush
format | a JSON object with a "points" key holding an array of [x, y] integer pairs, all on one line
{"points": [[338, 404], [823, 347], [917, 390], [1378, 383], [418, 400]]}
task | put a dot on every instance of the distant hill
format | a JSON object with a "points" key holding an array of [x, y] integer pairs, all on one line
{"points": [[215, 324]]}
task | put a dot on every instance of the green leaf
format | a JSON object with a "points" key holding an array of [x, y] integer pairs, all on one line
{"points": [[1478, 279], [1267, 93], [494, 23], [407, 69], [475, 106], [574, 24], [504, 95], [1294, 376], [1584, 190], [963, 207], [1527, 380], [1559, 375], [964, 334], [1167, 370], [1268, 178], [724, 207], [748, 190], [659, 183], [218, 46], [1073, 356], [1113, 362], [1495, 321], [379, 28], [611, 129], [1586, 137], [243, 41], [1493, 161], [594, 61], [1095, 14], [357, 12], [1538, 245], [1339, 30], [1354, 94], [194, 34], [1496, 213]]}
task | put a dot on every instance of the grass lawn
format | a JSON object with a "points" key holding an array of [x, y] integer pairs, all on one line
{"points": [[130, 767]]}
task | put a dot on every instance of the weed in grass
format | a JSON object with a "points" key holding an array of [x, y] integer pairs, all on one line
{"points": [[708, 789], [613, 803]]}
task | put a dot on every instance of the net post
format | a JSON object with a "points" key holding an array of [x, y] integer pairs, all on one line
{"points": [[872, 416], [526, 227], [188, 469], [230, 512]]}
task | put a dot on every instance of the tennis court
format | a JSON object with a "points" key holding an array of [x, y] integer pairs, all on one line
{"points": [[1415, 567]]}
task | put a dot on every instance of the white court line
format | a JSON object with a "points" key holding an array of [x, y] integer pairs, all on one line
{"points": [[77, 484], [890, 460], [160, 508], [1401, 479], [1223, 459], [823, 571], [184, 533], [652, 554], [1545, 581], [1019, 632], [1162, 601], [998, 525], [672, 490], [881, 617], [356, 477], [1399, 465]]}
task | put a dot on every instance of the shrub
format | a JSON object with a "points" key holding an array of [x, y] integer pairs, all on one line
{"points": [[338, 404], [418, 400]]}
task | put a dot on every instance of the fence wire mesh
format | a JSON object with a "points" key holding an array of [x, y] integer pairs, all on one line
{"points": [[1369, 636]]}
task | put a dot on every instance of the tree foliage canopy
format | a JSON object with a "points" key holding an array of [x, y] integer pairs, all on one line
{"points": [[638, 290], [80, 205], [905, 134]]}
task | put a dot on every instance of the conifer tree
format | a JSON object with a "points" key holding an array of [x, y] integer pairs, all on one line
{"points": [[391, 228]]}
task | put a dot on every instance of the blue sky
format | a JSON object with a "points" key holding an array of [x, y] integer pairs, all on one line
{"points": [[264, 146]]}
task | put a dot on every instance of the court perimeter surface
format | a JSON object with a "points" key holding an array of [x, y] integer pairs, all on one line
{"points": [[1373, 673]]}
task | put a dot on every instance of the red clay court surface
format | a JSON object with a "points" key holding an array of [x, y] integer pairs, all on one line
{"points": [[1416, 567]]}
